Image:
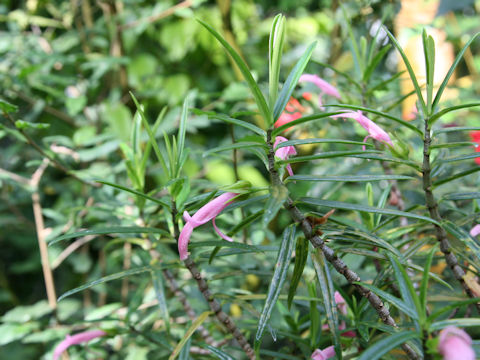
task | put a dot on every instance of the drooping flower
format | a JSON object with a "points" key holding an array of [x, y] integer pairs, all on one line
{"points": [[327, 353], [79, 338], [325, 87], [342, 307], [475, 230], [475, 135], [284, 152], [374, 131], [455, 344], [206, 213]]}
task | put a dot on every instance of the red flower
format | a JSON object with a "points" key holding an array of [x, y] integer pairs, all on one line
{"points": [[475, 135]]}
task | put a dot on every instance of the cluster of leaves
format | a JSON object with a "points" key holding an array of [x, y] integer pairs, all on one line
{"points": [[112, 84]]}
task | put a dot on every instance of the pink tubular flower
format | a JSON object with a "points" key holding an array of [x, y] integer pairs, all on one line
{"points": [[284, 152], [206, 213], [79, 338], [455, 344], [324, 354], [342, 307], [475, 230], [374, 131], [475, 135], [325, 87]]}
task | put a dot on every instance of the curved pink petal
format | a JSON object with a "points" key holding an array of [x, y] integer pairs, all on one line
{"points": [[455, 344], [222, 235], [206, 213], [184, 239], [373, 129], [76, 339], [323, 85], [324, 354], [475, 230], [341, 304]]}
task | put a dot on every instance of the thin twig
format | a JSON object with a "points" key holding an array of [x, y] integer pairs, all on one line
{"points": [[432, 206], [212, 302], [330, 255], [45, 155], [40, 229]]}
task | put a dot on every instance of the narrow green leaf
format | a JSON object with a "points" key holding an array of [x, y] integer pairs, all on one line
{"points": [[439, 114], [116, 276], [328, 295], [151, 134], [245, 222], [461, 323], [382, 202], [384, 83], [275, 49], [279, 275], [111, 230], [381, 347], [398, 303], [410, 70], [425, 278], [449, 308], [7, 108], [292, 81], [241, 123], [218, 353], [463, 236], [356, 207], [228, 244], [348, 178], [462, 195], [23, 125], [158, 286], [297, 142], [257, 94], [304, 119], [374, 63], [382, 157], [453, 145], [198, 321], [238, 145], [429, 54], [138, 193], [181, 133], [278, 195], [301, 256], [444, 84], [407, 290], [460, 158], [327, 155], [456, 176], [314, 314], [454, 129]]}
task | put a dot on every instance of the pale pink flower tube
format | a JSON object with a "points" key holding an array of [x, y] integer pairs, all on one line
{"points": [[284, 152], [475, 230], [455, 344], [79, 338], [327, 353], [374, 131], [324, 86], [206, 213]]}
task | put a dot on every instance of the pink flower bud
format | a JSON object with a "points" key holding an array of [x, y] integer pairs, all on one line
{"points": [[455, 344], [324, 354]]}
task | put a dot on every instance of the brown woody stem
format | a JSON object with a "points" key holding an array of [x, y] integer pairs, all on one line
{"points": [[432, 206], [330, 255]]}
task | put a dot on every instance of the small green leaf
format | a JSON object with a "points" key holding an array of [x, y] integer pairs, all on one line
{"points": [[198, 321], [116, 276], [291, 82], [348, 178], [461, 323], [410, 70], [371, 209], [374, 63], [462, 195], [439, 114], [275, 49], [6, 107], [278, 195], [257, 94], [425, 278], [301, 256], [242, 123], [429, 53], [218, 353], [138, 193], [456, 176], [111, 230], [279, 275], [238, 145], [23, 125], [328, 295], [451, 70], [381, 347]]}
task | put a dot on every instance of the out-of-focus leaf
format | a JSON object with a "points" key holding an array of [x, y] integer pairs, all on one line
{"points": [[278, 195], [24, 125], [6, 107], [301, 256], [198, 321], [279, 275], [381, 347]]}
